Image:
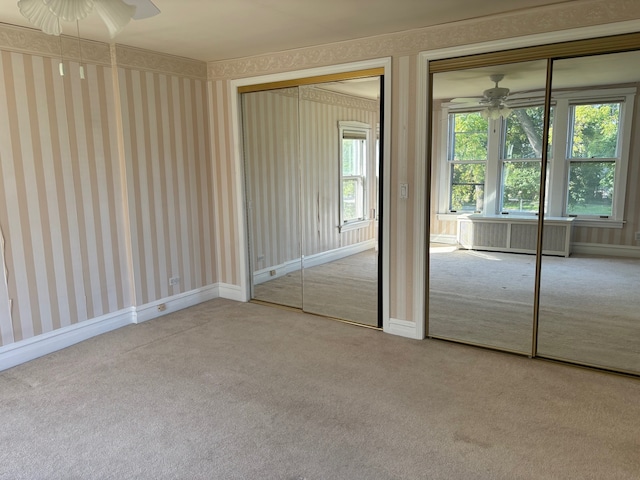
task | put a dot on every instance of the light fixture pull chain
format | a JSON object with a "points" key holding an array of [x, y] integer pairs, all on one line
{"points": [[61, 64], [80, 50]]}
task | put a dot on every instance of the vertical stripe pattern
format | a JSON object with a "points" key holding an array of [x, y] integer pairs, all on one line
{"points": [[292, 161], [60, 197], [169, 175]]}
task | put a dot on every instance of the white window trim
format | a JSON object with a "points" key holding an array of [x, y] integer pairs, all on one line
{"points": [[558, 169], [365, 128]]}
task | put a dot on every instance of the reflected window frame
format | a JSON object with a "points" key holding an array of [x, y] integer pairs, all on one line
{"points": [[361, 132], [558, 174]]}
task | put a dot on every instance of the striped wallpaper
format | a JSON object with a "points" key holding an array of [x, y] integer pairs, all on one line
{"points": [[271, 143], [320, 112], [291, 148], [61, 203], [169, 180], [106, 189], [225, 179]]}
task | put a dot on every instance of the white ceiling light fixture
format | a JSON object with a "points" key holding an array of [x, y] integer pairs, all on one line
{"points": [[47, 15]]}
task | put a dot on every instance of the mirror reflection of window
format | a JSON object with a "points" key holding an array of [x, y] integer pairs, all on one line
{"points": [[468, 146], [354, 148]]}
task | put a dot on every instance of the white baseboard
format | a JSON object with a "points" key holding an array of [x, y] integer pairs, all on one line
{"points": [[32, 348], [338, 253], [605, 250], [232, 292], [264, 275], [403, 328], [174, 303]]}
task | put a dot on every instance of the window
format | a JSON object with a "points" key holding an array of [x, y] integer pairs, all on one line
{"points": [[521, 147], [467, 160], [354, 141], [493, 166], [592, 158]]}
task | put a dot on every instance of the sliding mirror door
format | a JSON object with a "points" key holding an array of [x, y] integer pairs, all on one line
{"points": [[339, 122], [271, 148], [486, 163], [312, 190], [589, 301]]}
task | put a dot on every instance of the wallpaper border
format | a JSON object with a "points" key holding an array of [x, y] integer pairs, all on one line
{"points": [[538, 20]]}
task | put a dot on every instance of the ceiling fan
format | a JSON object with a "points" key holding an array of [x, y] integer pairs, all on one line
{"points": [[494, 99], [47, 14]]}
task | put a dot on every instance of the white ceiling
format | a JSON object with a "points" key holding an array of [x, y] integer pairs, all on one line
{"points": [[212, 30]]}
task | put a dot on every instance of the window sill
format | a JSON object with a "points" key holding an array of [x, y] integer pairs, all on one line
{"points": [[577, 222], [354, 225]]}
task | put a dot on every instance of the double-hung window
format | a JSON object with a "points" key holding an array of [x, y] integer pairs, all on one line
{"points": [[592, 157], [467, 159], [354, 141]]}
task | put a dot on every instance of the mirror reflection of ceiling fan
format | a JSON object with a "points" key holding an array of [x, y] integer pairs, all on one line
{"points": [[494, 99], [47, 15]]}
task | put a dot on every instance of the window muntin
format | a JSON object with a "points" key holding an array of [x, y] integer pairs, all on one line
{"points": [[467, 154]]}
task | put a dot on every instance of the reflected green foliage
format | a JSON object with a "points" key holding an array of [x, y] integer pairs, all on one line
{"points": [[468, 142], [523, 140], [595, 130], [467, 187], [348, 155], [349, 200], [591, 188], [470, 135], [594, 136], [521, 190]]}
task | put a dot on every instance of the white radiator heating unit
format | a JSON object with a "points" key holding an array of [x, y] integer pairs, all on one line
{"points": [[515, 234]]}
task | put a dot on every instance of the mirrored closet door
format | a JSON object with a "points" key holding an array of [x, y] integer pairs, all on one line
{"points": [[487, 150], [311, 167], [272, 185], [590, 299], [535, 232]]}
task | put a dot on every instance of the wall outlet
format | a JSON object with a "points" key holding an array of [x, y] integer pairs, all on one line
{"points": [[637, 236], [174, 281], [162, 307]]}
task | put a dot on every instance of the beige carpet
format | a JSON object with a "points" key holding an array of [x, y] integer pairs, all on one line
{"points": [[346, 288], [244, 391], [588, 310]]}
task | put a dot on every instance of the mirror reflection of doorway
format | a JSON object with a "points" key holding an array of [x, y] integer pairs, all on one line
{"points": [[312, 189]]}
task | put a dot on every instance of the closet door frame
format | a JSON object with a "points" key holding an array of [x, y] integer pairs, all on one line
{"points": [[237, 87]]}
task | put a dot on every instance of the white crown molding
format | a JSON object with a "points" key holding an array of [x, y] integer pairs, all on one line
{"points": [[130, 57], [564, 16]]}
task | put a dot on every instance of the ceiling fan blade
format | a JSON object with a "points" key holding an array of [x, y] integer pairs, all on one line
{"points": [[144, 9]]}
